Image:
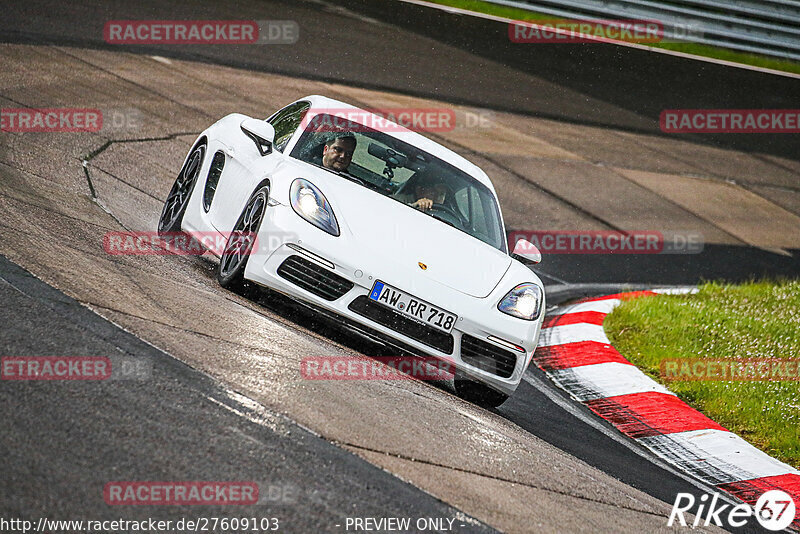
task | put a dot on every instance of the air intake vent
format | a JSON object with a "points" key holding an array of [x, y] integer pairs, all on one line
{"points": [[213, 179], [314, 278], [389, 318], [487, 357]]}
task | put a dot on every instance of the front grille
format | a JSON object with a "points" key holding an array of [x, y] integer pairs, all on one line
{"points": [[398, 322], [487, 357], [314, 278]]}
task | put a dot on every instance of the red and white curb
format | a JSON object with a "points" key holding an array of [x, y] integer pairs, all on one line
{"points": [[576, 354]]}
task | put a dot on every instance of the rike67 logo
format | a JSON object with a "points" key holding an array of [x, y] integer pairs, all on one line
{"points": [[774, 510]]}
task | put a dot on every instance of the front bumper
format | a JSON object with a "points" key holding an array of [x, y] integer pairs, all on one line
{"points": [[346, 275]]}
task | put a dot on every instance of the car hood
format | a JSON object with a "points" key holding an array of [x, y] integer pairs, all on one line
{"points": [[401, 236]]}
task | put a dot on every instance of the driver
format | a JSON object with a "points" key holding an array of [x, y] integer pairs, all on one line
{"points": [[429, 191], [338, 152]]}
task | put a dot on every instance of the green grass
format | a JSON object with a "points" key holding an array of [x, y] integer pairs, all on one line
{"points": [[753, 320], [689, 48]]}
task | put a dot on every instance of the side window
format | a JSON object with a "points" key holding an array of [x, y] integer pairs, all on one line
{"points": [[286, 122]]}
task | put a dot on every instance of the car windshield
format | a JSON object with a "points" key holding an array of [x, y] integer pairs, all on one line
{"points": [[407, 174]]}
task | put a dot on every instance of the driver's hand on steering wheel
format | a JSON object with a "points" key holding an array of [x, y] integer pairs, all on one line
{"points": [[423, 204]]}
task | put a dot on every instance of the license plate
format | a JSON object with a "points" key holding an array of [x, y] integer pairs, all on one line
{"points": [[412, 306]]}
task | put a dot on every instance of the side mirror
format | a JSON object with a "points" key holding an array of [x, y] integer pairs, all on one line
{"points": [[261, 132], [526, 252]]}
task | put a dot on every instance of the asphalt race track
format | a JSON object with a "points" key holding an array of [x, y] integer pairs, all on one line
{"points": [[169, 422], [569, 135]]}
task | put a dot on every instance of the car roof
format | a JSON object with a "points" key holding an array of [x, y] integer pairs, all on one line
{"points": [[322, 104]]}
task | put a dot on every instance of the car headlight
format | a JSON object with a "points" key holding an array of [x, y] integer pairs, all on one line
{"points": [[310, 204], [524, 301]]}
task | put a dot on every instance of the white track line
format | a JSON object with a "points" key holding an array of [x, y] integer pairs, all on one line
{"points": [[716, 456], [600, 306], [572, 333], [637, 448], [601, 380]]}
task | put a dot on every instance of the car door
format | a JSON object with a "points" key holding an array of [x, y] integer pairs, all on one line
{"points": [[245, 167]]}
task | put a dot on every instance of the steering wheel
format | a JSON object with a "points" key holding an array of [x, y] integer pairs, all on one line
{"points": [[448, 210]]}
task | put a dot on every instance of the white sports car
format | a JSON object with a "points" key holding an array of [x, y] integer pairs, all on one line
{"points": [[381, 228]]}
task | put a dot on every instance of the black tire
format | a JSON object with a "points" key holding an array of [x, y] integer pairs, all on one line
{"points": [[478, 393], [178, 198], [233, 261]]}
